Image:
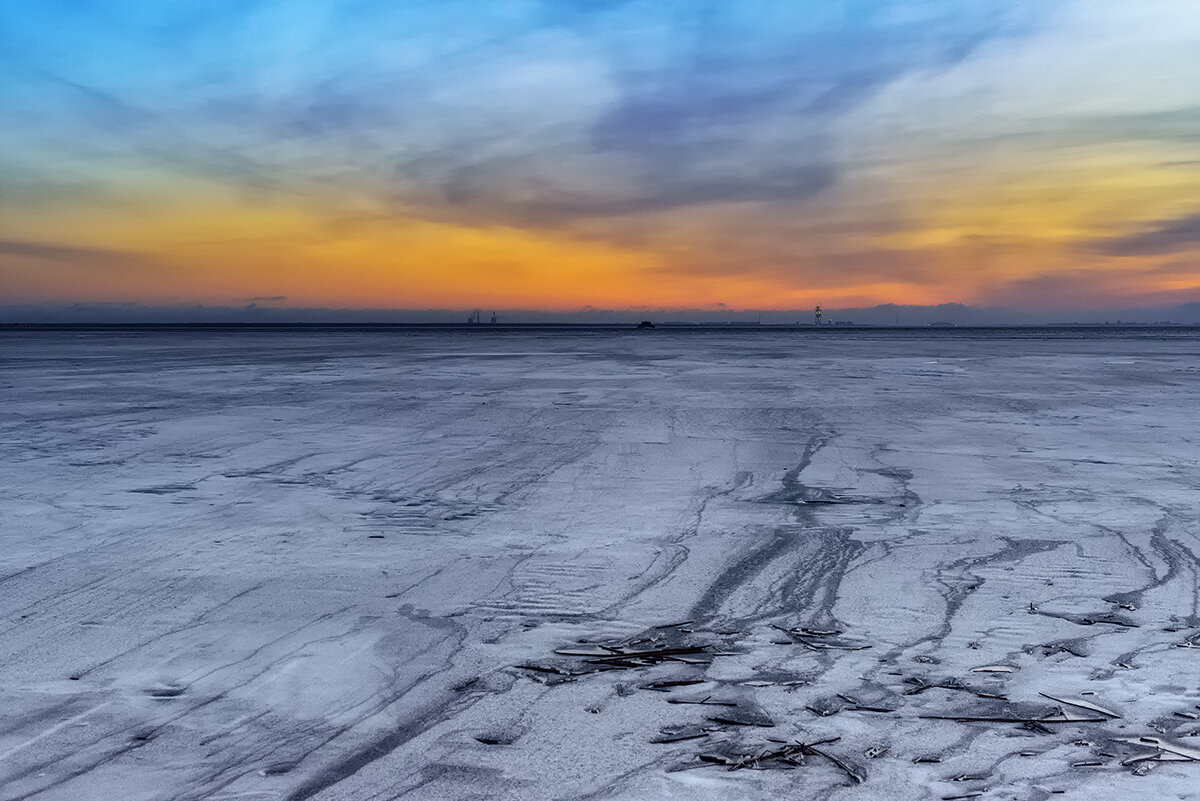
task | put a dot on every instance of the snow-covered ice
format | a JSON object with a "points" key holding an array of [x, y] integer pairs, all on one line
{"points": [[338, 564]]}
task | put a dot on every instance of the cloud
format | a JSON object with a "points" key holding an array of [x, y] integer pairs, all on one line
{"points": [[102, 110], [530, 116], [705, 103], [1165, 236], [65, 253]]}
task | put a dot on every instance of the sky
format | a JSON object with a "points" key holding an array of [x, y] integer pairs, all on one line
{"points": [[561, 155]]}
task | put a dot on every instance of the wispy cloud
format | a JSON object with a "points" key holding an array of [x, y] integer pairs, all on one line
{"points": [[67, 253], [1165, 236]]}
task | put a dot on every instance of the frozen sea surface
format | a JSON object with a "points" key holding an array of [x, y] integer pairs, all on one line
{"points": [[338, 565]]}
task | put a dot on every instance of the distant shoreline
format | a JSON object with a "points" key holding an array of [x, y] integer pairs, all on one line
{"points": [[483, 328]]}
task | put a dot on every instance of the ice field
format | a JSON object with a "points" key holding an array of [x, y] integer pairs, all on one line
{"points": [[606, 564]]}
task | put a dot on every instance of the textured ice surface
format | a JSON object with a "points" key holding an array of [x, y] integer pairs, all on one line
{"points": [[266, 565]]}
